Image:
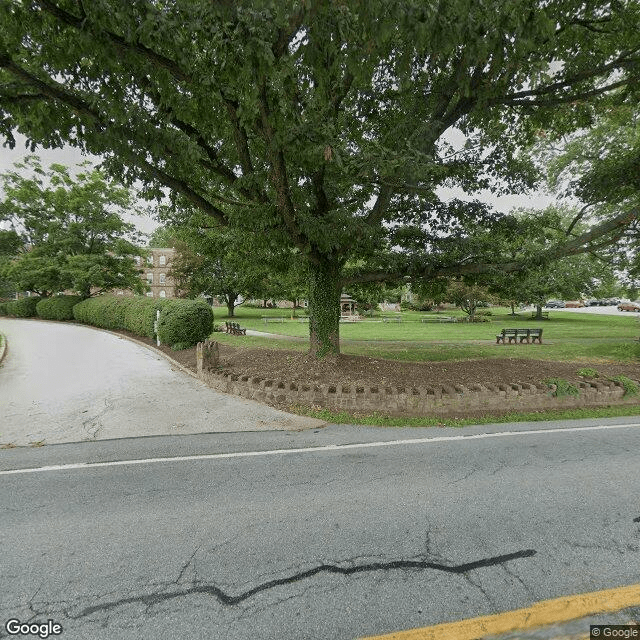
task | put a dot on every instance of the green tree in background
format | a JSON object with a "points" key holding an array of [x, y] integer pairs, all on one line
{"points": [[71, 231], [322, 127]]}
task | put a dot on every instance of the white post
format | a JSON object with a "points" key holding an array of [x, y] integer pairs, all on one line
{"points": [[155, 327]]}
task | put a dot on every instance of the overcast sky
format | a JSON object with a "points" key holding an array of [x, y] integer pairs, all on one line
{"points": [[70, 156]]}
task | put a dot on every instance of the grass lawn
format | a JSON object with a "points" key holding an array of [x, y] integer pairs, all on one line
{"points": [[567, 336]]}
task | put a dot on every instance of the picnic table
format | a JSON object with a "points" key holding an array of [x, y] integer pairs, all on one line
{"points": [[437, 319], [525, 335]]}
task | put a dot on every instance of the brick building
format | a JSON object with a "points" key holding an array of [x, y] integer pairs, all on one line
{"points": [[155, 272]]}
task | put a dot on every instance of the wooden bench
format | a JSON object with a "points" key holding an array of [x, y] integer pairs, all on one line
{"points": [[525, 335], [235, 329], [266, 319], [391, 318], [545, 315]]}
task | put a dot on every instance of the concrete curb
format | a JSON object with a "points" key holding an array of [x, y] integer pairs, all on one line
{"points": [[3, 347]]}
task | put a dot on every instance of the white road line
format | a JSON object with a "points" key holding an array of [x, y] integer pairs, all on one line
{"points": [[330, 447]]}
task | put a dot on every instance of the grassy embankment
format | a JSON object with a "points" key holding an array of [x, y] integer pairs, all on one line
{"points": [[567, 336]]}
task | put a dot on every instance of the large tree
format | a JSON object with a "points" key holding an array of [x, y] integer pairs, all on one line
{"points": [[318, 125], [70, 230]]}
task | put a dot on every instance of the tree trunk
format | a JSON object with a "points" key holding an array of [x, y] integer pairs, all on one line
{"points": [[324, 309], [513, 308], [538, 312], [231, 303]]}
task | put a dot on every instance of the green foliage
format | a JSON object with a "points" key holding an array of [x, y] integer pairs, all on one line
{"points": [[181, 321], [139, 318], [107, 312], [185, 323], [23, 308], [587, 372], [320, 128], [562, 387], [57, 307], [71, 235], [3, 308], [630, 387]]}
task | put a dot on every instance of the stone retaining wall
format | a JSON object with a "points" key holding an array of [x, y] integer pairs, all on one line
{"points": [[398, 401]]}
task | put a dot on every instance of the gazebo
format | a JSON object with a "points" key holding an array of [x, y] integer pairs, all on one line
{"points": [[347, 305]]}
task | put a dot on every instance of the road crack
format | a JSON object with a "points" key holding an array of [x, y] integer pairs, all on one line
{"points": [[226, 599]]}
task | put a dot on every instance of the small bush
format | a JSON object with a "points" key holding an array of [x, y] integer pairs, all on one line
{"points": [[563, 388], [3, 308], [185, 323], [630, 387], [57, 308], [179, 346], [23, 308], [588, 373]]}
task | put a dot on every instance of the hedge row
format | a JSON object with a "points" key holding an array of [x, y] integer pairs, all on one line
{"points": [[182, 323], [57, 307], [23, 308]]}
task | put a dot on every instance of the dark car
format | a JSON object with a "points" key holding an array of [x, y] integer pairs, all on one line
{"points": [[629, 306], [554, 304]]}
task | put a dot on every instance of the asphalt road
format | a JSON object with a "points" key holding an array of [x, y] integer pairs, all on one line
{"points": [[331, 543], [67, 383]]}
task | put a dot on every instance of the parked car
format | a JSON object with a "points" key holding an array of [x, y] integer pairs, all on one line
{"points": [[613, 301], [573, 304], [629, 306], [554, 304]]}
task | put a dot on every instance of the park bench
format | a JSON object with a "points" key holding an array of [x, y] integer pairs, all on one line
{"points": [[266, 319], [545, 315], [235, 329], [392, 318], [524, 335]]}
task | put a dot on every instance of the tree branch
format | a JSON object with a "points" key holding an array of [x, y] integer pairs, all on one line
{"points": [[579, 244], [136, 47]]}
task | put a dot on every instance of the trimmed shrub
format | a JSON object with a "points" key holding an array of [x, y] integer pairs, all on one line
{"points": [[185, 323], [23, 308], [57, 308], [140, 316], [106, 312]]}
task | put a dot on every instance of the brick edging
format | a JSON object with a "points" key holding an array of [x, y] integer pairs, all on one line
{"points": [[413, 401]]}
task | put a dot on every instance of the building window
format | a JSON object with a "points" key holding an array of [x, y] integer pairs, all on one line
{"points": [[149, 294], [150, 278], [163, 294], [163, 278], [163, 261], [150, 260]]}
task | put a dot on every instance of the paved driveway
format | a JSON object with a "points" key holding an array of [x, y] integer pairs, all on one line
{"points": [[68, 383]]}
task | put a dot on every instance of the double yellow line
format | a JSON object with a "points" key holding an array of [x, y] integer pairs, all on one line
{"points": [[538, 615]]}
